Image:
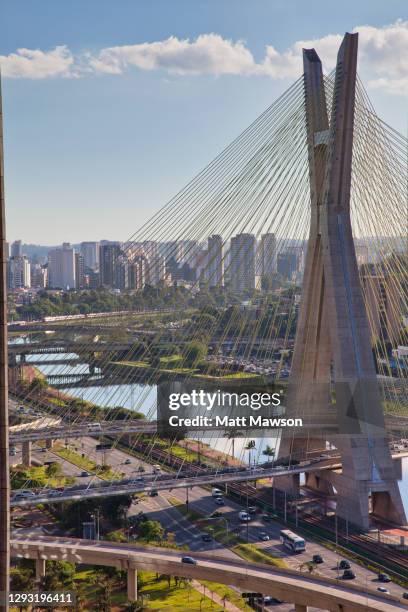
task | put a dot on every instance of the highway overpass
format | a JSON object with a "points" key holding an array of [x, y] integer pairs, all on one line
{"points": [[288, 585], [163, 482]]}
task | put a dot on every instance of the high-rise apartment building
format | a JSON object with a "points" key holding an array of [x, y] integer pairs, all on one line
{"points": [[19, 273], [157, 270], [109, 254], [290, 264], [90, 253], [39, 276], [267, 256], [61, 267], [242, 263], [138, 272], [17, 249], [79, 271], [215, 265]]}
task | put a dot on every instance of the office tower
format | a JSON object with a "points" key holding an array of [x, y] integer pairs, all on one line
{"points": [[267, 256], [108, 257], [79, 271], [215, 266], [17, 249], [242, 266], [19, 275], [61, 267], [90, 253]]}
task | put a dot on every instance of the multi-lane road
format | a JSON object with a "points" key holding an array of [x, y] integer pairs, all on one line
{"points": [[200, 499]]}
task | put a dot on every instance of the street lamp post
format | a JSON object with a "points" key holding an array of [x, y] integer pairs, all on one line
{"points": [[4, 424], [96, 520]]}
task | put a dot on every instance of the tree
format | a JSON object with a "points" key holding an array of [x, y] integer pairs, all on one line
{"points": [[38, 384], [250, 445], [269, 451], [232, 435], [194, 352], [151, 530], [22, 579], [53, 469]]}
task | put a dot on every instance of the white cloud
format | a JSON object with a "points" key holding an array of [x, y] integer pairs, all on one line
{"points": [[37, 64], [383, 58], [208, 54]]}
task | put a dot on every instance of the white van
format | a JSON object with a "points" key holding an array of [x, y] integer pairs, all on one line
{"points": [[244, 517], [95, 427], [156, 469], [216, 492]]}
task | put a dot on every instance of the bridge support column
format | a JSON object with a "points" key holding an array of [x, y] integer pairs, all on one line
{"points": [[49, 443], [27, 453], [317, 482], [39, 568], [132, 584], [290, 484]]}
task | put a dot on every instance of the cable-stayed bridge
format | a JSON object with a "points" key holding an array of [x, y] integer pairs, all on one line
{"points": [[318, 173]]}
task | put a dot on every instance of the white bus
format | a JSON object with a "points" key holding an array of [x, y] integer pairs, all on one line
{"points": [[292, 541]]}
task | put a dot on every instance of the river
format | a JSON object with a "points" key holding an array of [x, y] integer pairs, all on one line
{"points": [[143, 398]]}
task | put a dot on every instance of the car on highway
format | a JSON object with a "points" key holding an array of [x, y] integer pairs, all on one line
{"points": [[348, 574], [219, 501], [189, 560], [267, 518], [317, 559], [206, 537], [268, 600], [127, 462], [153, 493], [216, 492], [252, 509], [13, 452], [84, 473], [244, 516], [383, 577], [383, 590], [54, 493], [216, 514], [344, 564], [405, 595], [20, 495], [264, 536]]}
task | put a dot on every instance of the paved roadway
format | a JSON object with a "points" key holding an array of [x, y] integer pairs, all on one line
{"points": [[301, 589], [200, 499]]}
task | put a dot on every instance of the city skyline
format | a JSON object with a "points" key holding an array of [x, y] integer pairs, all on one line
{"points": [[69, 82]]}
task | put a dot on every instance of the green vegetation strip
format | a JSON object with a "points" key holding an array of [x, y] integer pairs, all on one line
{"points": [[85, 464], [38, 477]]}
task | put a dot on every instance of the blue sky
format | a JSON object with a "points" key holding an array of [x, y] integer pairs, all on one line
{"points": [[102, 132]]}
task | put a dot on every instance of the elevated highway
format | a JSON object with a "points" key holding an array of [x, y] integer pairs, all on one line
{"points": [[42, 430], [288, 585], [162, 482]]}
